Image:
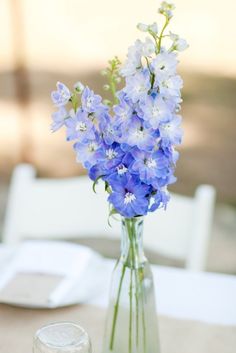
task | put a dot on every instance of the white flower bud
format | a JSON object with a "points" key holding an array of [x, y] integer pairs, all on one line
{"points": [[181, 44], [106, 87], [148, 47], [153, 28], [117, 79], [107, 102], [166, 9], [142, 27], [79, 87], [104, 72]]}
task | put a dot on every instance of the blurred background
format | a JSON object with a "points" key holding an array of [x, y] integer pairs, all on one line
{"points": [[43, 42]]}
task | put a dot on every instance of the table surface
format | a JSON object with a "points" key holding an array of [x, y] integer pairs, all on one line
{"points": [[181, 294], [18, 325]]}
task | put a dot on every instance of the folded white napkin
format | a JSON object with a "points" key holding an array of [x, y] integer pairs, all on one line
{"points": [[50, 274]]}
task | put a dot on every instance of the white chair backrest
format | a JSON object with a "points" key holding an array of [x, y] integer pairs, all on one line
{"points": [[68, 208]]}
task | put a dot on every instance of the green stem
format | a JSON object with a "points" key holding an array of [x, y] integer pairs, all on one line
{"points": [[137, 312], [144, 323], [116, 309], [130, 310], [161, 34], [134, 249], [113, 89]]}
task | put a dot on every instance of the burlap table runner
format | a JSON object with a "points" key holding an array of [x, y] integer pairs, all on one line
{"points": [[18, 325]]}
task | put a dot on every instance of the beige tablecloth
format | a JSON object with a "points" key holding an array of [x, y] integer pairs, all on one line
{"points": [[17, 327]]}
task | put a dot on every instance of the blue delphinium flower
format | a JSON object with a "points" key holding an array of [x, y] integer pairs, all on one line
{"points": [[169, 85], [90, 102], [164, 64], [154, 110], [171, 131], [108, 129], [123, 114], [79, 127], [88, 153], [138, 135], [62, 96], [149, 166], [59, 118], [159, 199], [130, 144], [111, 157], [133, 59], [130, 197], [138, 85]]}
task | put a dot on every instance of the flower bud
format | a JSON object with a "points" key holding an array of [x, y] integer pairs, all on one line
{"points": [[181, 44], [153, 28], [79, 87], [142, 27], [107, 102], [166, 9], [106, 87], [104, 72], [117, 79]]}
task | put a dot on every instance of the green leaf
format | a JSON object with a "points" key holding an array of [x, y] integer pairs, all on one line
{"points": [[96, 181], [112, 212], [107, 187]]}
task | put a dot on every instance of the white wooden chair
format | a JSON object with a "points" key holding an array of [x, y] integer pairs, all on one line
{"points": [[68, 208]]}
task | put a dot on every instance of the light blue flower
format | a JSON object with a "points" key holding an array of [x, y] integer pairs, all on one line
{"points": [[108, 129], [150, 166], [155, 110], [130, 197], [121, 170], [164, 64], [138, 85], [62, 96], [169, 86], [111, 157], [123, 113], [89, 153], [171, 131], [160, 199], [133, 61], [59, 117], [79, 127], [90, 101], [138, 135]]}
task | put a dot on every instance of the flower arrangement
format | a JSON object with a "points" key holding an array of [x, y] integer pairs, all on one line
{"points": [[130, 143]]}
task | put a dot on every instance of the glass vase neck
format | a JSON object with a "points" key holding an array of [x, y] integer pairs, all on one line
{"points": [[132, 253]]}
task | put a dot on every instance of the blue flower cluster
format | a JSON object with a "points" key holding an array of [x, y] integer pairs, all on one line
{"points": [[130, 145]]}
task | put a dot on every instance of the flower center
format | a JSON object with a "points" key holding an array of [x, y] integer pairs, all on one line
{"points": [[81, 126], [92, 147], [121, 169], [167, 126], [155, 111], [141, 88], [110, 153], [139, 133], [165, 83], [129, 197], [150, 163], [90, 102]]}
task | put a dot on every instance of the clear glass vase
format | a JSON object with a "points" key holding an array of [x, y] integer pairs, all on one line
{"points": [[131, 325]]}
